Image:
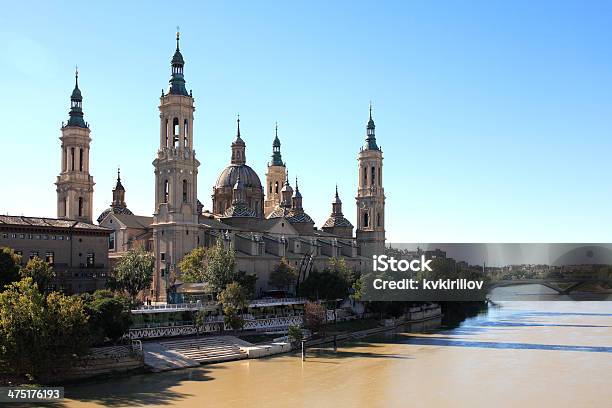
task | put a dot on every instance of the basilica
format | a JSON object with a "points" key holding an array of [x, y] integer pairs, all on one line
{"points": [[261, 222]]}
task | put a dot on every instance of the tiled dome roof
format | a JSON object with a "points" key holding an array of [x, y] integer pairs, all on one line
{"points": [[229, 176], [337, 222]]}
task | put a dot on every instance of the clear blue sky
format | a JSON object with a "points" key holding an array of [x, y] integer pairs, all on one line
{"points": [[495, 118]]}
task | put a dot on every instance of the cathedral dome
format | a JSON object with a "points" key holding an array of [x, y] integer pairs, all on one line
{"points": [[229, 176]]}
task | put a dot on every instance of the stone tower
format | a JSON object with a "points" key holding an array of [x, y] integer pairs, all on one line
{"points": [[275, 177], [370, 196], [75, 185], [175, 220]]}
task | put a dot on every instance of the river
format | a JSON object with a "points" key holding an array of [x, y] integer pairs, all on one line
{"points": [[517, 354]]}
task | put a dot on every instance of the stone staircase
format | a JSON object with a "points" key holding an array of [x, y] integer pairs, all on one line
{"points": [[208, 349]]}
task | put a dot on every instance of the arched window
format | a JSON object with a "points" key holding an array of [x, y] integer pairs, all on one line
{"points": [[80, 206], [276, 187], [167, 134], [176, 127], [379, 177], [366, 219], [378, 220], [72, 158], [81, 159], [270, 188], [373, 178], [365, 176], [65, 159], [166, 191], [184, 191], [185, 134]]}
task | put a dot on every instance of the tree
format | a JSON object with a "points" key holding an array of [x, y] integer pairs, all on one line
{"points": [[40, 272], [294, 333], [234, 300], [39, 334], [109, 315], [193, 264], [9, 266], [314, 316], [284, 276], [213, 266], [333, 283], [134, 272]]}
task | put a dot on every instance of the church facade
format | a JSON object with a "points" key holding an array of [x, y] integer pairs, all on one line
{"points": [[261, 222]]}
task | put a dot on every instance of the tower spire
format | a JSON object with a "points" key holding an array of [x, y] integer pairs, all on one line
{"points": [[238, 127], [76, 104], [277, 159], [177, 80], [370, 142]]}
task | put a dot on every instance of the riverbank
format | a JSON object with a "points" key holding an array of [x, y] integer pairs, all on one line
{"points": [[528, 354]]}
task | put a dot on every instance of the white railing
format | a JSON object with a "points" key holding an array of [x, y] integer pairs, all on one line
{"points": [[273, 301], [178, 307]]}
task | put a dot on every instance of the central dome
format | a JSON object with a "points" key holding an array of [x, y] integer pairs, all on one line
{"points": [[229, 176]]}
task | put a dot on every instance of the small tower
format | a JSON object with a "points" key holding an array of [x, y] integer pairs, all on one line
{"points": [[238, 147], [275, 177], [75, 184], [336, 223], [370, 198], [119, 192], [296, 199], [118, 205], [286, 193], [175, 218]]}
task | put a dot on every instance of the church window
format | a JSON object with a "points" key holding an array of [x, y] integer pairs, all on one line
{"points": [[167, 135], [111, 241], [378, 222], [276, 187], [80, 206], [184, 191], [365, 219], [365, 176], [166, 191], [65, 159], [185, 133], [81, 159], [176, 127], [72, 158], [50, 258], [379, 177], [90, 261], [270, 188], [373, 179]]}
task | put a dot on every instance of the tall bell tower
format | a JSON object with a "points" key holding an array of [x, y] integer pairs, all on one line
{"points": [[175, 220], [75, 185], [275, 177], [370, 196]]}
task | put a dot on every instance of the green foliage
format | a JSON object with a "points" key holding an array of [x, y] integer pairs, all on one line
{"points": [[333, 283], [109, 315], [247, 281], [314, 316], [40, 272], [38, 333], [134, 272], [9, 266], [295, 334], [193, 264], [215, 267], [284, 276], [234, 296], [234, 300]]}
